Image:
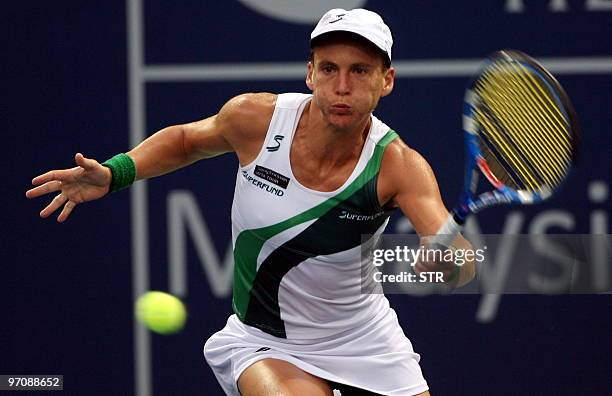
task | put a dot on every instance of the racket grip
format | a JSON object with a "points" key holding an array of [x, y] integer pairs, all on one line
{"points": [[448, 232]]}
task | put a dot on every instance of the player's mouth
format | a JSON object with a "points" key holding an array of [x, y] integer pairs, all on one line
{"points": [[341, 109]]}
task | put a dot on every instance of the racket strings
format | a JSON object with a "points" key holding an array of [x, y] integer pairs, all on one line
{"points": [[532, 137], [535, 164], [542, 95], [502, 170], [507, 150], [544, 109], [500, 149], [524, 129]]}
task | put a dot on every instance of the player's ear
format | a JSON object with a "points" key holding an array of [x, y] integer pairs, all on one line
{"points": [[389, 81], [309, 75]]}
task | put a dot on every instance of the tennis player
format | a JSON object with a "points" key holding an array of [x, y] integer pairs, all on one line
{"points": [[317, 171]]}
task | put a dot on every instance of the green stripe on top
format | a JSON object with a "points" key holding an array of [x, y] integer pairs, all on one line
{"points": [[250, 242]]}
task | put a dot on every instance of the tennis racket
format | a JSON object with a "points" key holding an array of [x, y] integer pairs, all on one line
{"points": [[521, 132]]}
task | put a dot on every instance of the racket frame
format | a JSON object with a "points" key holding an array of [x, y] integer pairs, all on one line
{"points": [[469, 202]]}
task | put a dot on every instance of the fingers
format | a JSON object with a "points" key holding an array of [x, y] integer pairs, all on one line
{"points": [[60, 175], [83, 162], [58, 201], [45, 177], [65, 174], [44, 189], [66, 211]]}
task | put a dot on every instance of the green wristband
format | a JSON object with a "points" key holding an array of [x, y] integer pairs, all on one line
{"points": [[123, 170]]}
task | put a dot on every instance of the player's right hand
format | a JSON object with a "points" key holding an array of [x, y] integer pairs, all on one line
{"points": [[87, 181]]}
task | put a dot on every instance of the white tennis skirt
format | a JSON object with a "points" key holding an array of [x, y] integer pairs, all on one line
{"points": [[376, 356]]}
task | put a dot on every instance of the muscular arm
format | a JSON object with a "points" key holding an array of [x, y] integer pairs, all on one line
{"points": [[407, 181], [240, 127]]}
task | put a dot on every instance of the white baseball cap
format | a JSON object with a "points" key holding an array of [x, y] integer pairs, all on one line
{"points": [[364, 23]]}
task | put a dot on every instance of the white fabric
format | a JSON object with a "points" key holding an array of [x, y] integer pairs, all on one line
{"points": [[308, 310], [376, 356], [334, 330]]}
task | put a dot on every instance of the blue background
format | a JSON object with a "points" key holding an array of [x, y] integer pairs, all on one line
{"points": [[68, 288]]}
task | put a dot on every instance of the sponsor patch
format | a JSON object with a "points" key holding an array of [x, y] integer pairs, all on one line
{"points": [[271, 176]]}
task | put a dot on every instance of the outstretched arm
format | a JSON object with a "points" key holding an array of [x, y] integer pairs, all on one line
{"points": [[240, 127], [408, 182]]}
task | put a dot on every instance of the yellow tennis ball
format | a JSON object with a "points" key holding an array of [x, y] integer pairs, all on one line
{"points": [[161, 312]]}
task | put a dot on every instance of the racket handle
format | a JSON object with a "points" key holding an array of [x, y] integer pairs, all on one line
{"points": [[449, 231]]}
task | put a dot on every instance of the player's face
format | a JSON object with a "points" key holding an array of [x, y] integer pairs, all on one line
{"points": [[347, 80]]}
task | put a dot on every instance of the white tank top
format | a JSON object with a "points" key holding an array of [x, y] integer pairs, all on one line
{"points": [[297, 251]]}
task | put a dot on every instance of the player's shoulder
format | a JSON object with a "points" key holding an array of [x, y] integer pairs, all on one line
{"points": [[398, 155], [402, 165], [253, 101], [403, 170], [248, 114], [250, 106]]}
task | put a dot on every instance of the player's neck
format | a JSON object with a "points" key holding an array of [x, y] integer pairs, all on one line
{"points": [[325, 142]]}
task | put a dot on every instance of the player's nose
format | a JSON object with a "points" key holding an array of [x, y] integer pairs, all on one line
{"points": [[343, 84]]}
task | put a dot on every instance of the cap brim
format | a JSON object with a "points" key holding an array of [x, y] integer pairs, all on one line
{"points": [[357, 34]]}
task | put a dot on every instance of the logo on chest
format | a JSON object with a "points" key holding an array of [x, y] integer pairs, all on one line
{"points": [[269, 176], [277, 139]]}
